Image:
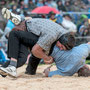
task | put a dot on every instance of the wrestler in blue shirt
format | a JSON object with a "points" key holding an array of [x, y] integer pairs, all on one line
{"points": [[68, 62]]}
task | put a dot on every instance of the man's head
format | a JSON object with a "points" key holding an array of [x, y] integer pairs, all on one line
{"points": [[67, 17], [67, 40]]}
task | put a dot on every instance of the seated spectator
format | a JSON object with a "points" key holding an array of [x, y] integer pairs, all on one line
{"points": [[60, 6], [21, 5], [26, 8], [49, 3], [82, 19], [75, 7], [26, 2], [3, 3], [14, 9], [31, 5], [83, 31], [52, 16], [68, 6], [68, 24], [84, 8], [44, 2], [40, 3], [12, 3], [81, 4], [86, 1], [54, 4]]}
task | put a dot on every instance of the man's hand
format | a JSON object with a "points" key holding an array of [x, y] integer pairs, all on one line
{"points": [[39, 52], [49, 60]]}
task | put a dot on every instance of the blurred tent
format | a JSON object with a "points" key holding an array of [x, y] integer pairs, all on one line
{"points": [[44, 10]]}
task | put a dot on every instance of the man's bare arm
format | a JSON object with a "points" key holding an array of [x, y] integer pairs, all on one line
{"points": [[39, 52]]}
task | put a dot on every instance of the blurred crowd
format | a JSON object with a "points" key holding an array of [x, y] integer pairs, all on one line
{"points": [[61, 5], [77, 23], [81, 21]]}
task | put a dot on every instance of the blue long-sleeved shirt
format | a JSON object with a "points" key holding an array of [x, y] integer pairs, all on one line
{"points": [[70, 61]]}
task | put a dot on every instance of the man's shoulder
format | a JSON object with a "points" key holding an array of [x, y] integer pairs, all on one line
{"points": [[82, 45], [81, 48]]}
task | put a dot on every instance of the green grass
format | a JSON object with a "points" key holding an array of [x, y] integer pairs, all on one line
{"points": [[87, 61]]}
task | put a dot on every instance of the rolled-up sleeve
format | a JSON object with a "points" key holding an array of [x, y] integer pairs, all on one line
{"points": [[45, 41]]}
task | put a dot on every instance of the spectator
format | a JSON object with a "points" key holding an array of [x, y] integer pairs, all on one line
{"points": [[75, 7], [84, 29], [44, 2], [49, 3], [26, 2], [54, 4], [31, 5], [68, 24], [12, 3], [21, 5], [2, 3], [40, 3], [14, 9], [86, 1], [82, 19], [52, 16], [26, 8], [84, 8], [60, 6], [68, 6], [81, 4]]}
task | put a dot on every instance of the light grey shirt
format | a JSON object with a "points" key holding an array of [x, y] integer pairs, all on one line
{"points": [[48, 31]]}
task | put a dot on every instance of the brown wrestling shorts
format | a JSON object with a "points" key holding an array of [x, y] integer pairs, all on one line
{"points": [[20, 27], [84, 71]]}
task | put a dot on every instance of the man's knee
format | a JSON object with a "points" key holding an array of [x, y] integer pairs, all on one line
{"points": [[12, 33], [15, 33]]}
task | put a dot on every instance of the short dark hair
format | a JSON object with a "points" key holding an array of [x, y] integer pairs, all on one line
{"points": [[67, 16], [68, 40]]}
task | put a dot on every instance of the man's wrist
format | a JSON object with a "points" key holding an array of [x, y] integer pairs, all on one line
{"points": [[46, 58]]}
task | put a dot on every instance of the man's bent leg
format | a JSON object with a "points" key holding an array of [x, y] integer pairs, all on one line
{"points": [[15, 38], [23, 54], [32, 65], [22, 58]]}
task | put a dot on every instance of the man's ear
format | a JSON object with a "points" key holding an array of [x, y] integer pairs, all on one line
{"points": [[58, 43]]}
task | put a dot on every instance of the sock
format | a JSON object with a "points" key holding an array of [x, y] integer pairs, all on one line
{"points": [[13, 63]]}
